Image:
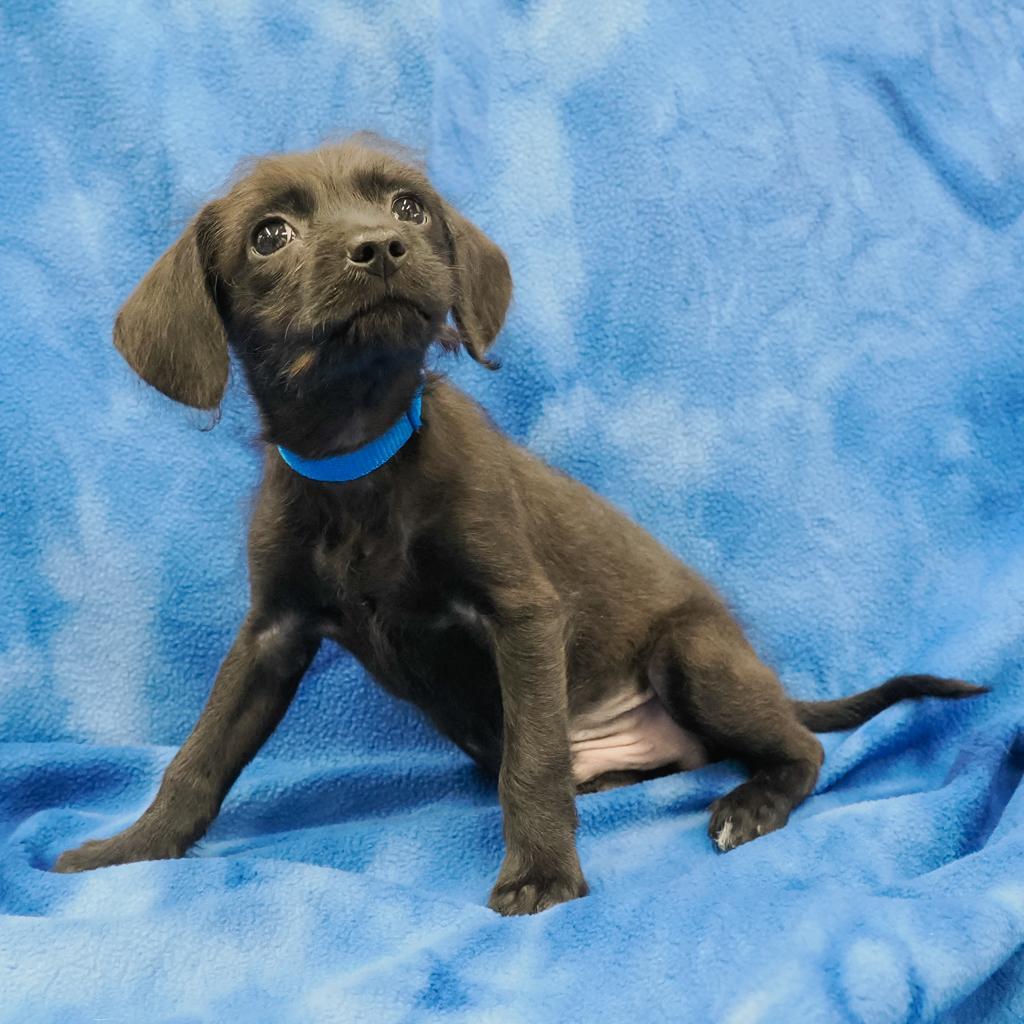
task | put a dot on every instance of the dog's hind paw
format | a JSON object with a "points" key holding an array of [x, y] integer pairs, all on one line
{"points": [[747, 812]]}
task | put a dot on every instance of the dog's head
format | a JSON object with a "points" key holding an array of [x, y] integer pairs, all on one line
{"points": [[318, 268]]}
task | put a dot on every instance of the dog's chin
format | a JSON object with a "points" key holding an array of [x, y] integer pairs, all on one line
{"points": [[397, 323]]}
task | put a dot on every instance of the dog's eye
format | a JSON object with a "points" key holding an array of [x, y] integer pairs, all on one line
{"points": [[272, 235], [409, 208]]}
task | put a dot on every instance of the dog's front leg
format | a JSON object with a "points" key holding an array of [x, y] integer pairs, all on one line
{"points": [[252, 691], [541, 866]]}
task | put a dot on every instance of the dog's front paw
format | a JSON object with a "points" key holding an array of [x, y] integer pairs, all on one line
{"points": [[125, 848], [536, 889]]}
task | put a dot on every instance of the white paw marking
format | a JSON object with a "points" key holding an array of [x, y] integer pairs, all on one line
{"points": [[724, 838]]}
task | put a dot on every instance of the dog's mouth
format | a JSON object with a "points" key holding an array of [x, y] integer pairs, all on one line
{"points": [[395, 303], [390, 314]]}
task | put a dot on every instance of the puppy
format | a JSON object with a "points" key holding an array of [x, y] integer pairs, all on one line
{"points": [[557, 643]]}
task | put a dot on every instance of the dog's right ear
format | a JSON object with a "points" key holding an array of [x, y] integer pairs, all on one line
{"points": [[169, 329]]}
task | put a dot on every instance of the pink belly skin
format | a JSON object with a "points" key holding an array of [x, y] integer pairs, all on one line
{"points": [[631, 732]]}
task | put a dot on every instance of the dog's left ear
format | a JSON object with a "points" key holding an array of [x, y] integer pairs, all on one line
{"points": [[484, 286]]}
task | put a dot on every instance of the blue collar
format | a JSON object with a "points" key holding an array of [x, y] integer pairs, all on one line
{"points": [[337, 469]]}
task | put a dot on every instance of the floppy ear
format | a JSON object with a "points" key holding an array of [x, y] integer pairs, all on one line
{"points": [[483, 283], [169, 330]]}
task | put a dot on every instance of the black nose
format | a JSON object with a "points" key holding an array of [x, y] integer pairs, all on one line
{"points": [[377, 252]]}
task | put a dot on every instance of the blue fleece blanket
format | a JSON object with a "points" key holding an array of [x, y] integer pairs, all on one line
{"points": [[769, 300]]}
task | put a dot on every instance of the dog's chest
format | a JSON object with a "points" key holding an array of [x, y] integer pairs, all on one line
{"points": [[343, 568], [377, 575]]}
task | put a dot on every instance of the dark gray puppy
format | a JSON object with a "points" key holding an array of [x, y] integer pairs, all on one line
{"points": [[552, 639]]}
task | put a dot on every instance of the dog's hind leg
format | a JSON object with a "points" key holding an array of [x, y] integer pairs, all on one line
{"points": [[711, 681]]}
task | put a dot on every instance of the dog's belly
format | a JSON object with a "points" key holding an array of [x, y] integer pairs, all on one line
{"points": [[631, 732], [628, 731]]}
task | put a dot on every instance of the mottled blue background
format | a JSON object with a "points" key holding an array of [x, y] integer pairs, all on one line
{"points": [[768, 263]]}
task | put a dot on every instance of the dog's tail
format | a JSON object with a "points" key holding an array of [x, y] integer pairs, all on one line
{"points": [[849, 712]]}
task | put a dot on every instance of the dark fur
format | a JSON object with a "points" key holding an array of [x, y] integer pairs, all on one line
{"points": [[568, 598]]}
